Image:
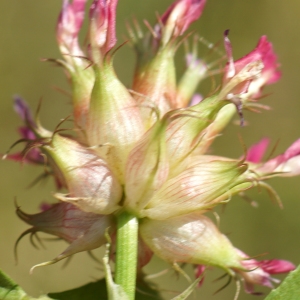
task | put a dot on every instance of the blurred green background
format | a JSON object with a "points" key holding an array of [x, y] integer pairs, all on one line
{"points": [[27, 34]]}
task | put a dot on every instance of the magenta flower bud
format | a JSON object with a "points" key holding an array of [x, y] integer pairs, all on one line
{"points": [[83, 231], [179, 16], [69, 24], [77, 66], [103, 25]]}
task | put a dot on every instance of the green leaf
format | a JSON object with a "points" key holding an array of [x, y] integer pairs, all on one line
{"points": [[289, 288], [90, 291], [9, 290], [97, 290]]}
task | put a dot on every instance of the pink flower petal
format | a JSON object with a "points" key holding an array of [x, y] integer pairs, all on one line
{"points": [[256, 152]]}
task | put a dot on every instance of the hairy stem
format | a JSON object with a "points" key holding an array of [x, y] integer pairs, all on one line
{"points": [[126, 255]]}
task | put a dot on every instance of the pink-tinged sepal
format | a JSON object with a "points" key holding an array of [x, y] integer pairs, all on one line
{"points": [[114, 120], [203, 184], [91, 184], [83, 231], [154, 85], [102, 28], [190, 238], [194, 238], [187, 129], [147, 167]]}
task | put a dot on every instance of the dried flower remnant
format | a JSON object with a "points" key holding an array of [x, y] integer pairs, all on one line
{"points": [[83, 231]]}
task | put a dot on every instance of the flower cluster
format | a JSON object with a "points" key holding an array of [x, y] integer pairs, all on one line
{"points": [[144, 150]]}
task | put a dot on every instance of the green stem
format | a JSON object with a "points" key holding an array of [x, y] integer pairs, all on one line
{"points": [[126, 254]]}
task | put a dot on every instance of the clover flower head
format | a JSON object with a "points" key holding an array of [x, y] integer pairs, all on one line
{"points": [[144, 150]]}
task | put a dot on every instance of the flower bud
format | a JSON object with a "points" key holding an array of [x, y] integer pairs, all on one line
{"points": [[187, 128], [191, 238], [68, 26], [155, 78], [204, 183], [82, 77], [156, 81], [114, 121], [195, 239], [91, 184], [179, 16], [103, 25]]}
